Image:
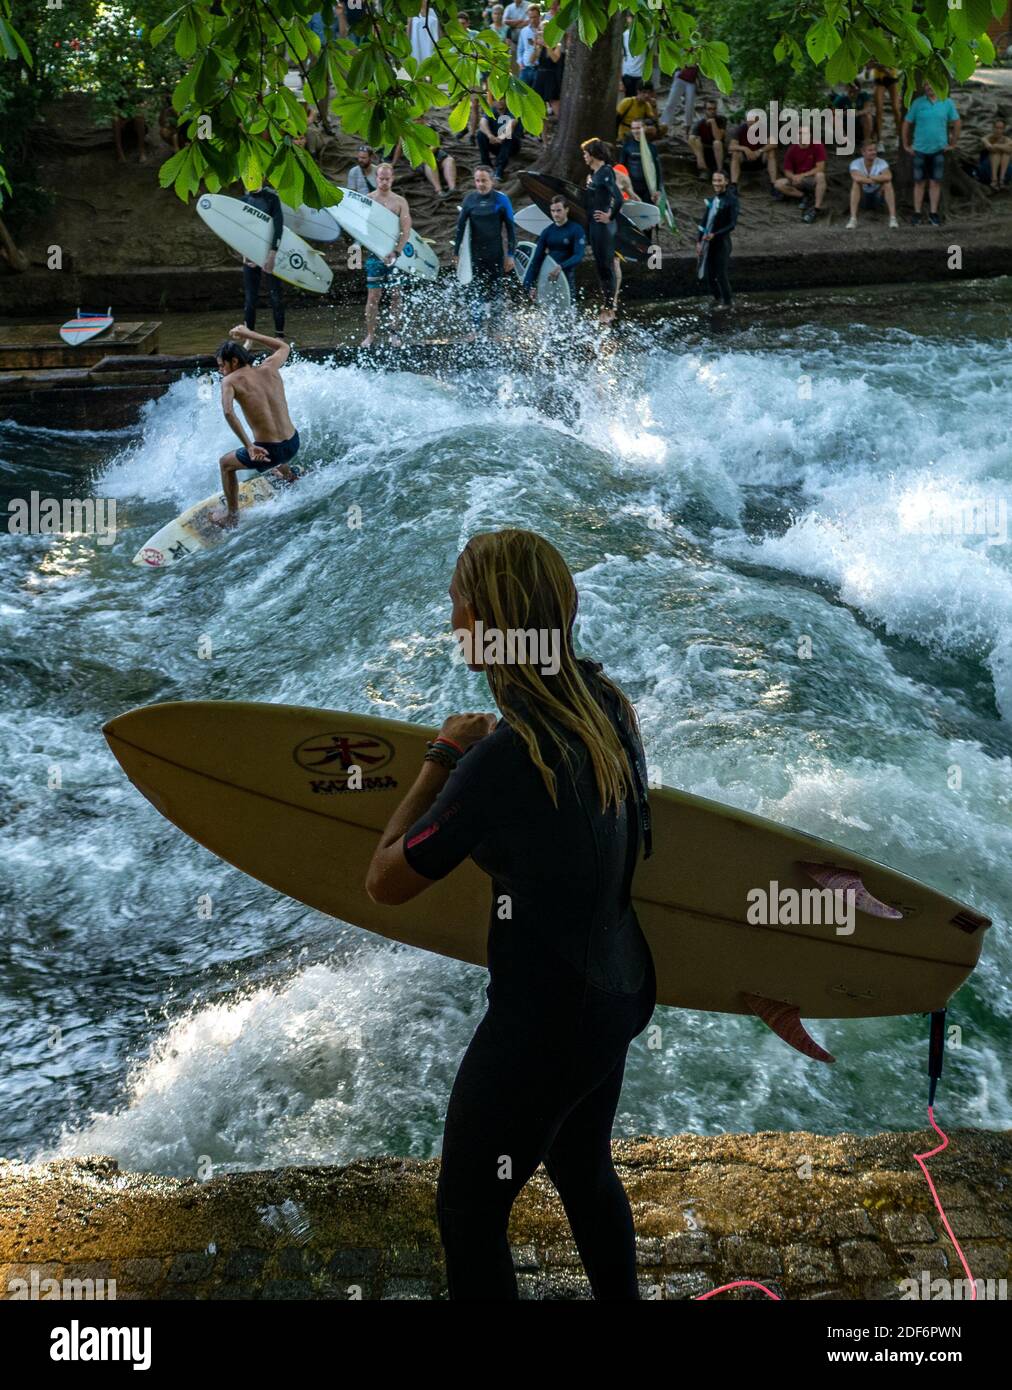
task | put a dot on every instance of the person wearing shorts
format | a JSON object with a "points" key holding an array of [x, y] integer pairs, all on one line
{"points": [[871, 187], [886, 80], [277, 453], [804, 174], [930, 130]]}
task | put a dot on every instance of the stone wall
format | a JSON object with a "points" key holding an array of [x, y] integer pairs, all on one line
{"points": [[809, 1216]]}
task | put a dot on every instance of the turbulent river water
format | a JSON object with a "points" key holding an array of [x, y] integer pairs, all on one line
{"points": [[720, 498]]}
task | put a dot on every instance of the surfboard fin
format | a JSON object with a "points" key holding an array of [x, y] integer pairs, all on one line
{"points": [[846, 880], [785, 1021]]}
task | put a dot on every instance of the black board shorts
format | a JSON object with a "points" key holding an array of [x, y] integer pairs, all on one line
{"points": [[279, 453]]}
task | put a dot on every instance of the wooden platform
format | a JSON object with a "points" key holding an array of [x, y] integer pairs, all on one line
{"points": [[32, 346]]}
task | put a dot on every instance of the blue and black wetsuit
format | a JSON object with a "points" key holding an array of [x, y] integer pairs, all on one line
{"points": [[718, 256], [632, 158], [566, 245], [486, 214], [603, 195], [267, 201], [571, 984]]}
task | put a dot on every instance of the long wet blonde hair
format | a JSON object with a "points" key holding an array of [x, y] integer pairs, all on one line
{"points": [[516, 579]]}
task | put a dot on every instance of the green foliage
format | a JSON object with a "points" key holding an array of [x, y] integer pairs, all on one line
{"points": [[227, 60]]}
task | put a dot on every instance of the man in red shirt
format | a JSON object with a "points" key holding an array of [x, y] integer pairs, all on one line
{"points": [[804, 174]]}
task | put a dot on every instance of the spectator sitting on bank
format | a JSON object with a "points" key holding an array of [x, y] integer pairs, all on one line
{"points": [[855, 98], [707, 140], [362, 174], [445, 164], [804, 174], [316, 136], [631, 155], [930, 130], [632, 63], [871, 185], [641, 107], [750, 152], [499, 138], [995, 165]]}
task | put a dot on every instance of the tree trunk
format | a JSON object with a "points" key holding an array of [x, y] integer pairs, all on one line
{"points": [[17, 260], [589, 98]]}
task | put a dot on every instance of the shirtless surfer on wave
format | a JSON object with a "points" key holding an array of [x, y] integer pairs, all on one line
{"points": [[261, 393]]}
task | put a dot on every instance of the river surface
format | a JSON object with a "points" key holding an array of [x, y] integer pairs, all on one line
{"points": [[721, 493]]}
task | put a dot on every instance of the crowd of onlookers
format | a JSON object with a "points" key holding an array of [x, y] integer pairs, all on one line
{"points": [[796, 173]]}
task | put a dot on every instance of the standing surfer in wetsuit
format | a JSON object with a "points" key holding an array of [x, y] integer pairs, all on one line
{"points": [[564, 240], [551, 803], [603, 201], [264, 198], [713, 243], [489, 214]]}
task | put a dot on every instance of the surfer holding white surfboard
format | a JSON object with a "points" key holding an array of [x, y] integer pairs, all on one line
{"points": [[261, 393], [264, 198], [563, 240], [713, 246], [485, 216], [551, 803], [381, 273]]}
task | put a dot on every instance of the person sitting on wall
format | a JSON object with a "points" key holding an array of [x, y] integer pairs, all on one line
{"points": [[871, 187]]}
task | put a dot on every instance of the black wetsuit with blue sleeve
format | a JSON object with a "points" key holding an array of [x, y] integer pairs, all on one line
{"points": [[571, 984], [487, 214], [566, 245]]}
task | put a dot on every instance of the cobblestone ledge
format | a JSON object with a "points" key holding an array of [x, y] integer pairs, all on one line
{"points": [[813, 1217]]}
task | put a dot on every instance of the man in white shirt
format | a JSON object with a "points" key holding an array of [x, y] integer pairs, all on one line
{"points": [[632, 64], [514, 16], [871, 184]]}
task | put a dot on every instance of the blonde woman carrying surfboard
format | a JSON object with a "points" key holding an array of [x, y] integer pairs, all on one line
{"points": [[551, 803]]}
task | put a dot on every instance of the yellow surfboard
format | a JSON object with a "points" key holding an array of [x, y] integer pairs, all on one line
{"points": [[297, 798]]}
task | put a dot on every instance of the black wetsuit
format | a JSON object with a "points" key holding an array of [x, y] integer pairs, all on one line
{"points": [[565, 244], [267, 201], [632, 158], [487, 214], [718, 257], [603, 195], [571, 984]]}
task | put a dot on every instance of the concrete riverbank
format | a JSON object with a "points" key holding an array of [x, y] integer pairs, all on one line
{"points": [[809, 1216]]}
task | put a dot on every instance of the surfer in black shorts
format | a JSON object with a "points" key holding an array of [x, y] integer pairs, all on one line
{"points": [[603, 201], [261, 393], [489, 214], [551, 803]]}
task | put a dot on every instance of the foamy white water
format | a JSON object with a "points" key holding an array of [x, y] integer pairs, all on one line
{"points": [[723, 507]]}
